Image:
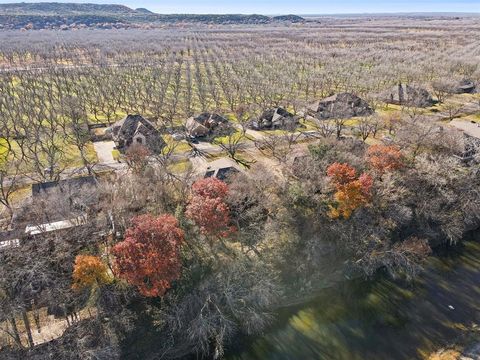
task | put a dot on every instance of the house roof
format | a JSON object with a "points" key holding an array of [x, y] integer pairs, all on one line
{"points": [[344, 105], [330, 98], [130, 125], [275, 114], [124, 131], [203, 123], [11, 239], [206, 118], [55, 226], [315, 106], [74, 183], [220, 168], [193, 125]]}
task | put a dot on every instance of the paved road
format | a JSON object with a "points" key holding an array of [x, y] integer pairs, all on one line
{"points": [[104, 151], [470, 128]]}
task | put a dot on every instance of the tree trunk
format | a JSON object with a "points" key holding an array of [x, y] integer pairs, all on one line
{"points": [[16, 335], [36, 317], [28, 329]]}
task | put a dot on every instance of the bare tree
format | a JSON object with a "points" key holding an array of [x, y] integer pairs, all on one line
{"points": [[451, 110]]}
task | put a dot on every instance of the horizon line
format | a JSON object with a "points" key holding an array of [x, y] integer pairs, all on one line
{"points": [[266, 14]]}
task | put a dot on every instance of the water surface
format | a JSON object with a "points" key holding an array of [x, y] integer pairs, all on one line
{"points": [[379, 319]]}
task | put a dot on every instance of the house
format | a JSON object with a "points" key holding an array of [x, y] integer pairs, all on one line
{"points": [[409, 95], [54, 202], [465, 86], [15, 238], [134, 129], [64, 186], [276, 118], [221, 169], [65, 195], [471, 138], [205, 124], [56, 207], [343, 105]]}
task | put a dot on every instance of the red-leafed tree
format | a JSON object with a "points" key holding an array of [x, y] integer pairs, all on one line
{"points": [[207, 207], [210, 188], [384, 158], [351, 192], [341, 174], [366, 183], [149, 257]]}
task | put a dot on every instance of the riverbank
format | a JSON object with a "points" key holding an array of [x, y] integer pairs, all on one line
{"points": [[467, 347], [381, 318]]}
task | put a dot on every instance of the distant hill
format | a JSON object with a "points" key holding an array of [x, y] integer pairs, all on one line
{"points": [[63, 9], [54, 15], [291, 18], [143, 11]]}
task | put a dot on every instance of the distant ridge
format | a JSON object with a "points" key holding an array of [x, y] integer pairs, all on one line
{"points": [[144, 11], [291, 18], [394, 14], [65, 16], [57, 8]]}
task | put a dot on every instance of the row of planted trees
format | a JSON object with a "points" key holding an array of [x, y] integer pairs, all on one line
{"points": [[51, 93]]}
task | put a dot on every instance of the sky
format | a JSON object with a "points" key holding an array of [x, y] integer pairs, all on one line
{"points": [[302, 7]]}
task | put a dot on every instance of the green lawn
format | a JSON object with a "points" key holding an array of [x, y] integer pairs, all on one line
{"points": [[180, 166], [3, 151], [180, 146], [237, 135], [70, 158]]}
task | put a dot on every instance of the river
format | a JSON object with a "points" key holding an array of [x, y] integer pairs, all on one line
{"points": [[380, 318]]}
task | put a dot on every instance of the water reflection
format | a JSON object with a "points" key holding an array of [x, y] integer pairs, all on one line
{"points": [[380, 319]]}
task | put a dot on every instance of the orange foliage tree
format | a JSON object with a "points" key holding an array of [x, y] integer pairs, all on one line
{"points": [[149, 257], [351, 192], [341, 174], [207, 207], [384, 158], [89, 271]]}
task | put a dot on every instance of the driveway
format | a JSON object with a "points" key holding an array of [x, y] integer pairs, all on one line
{"points": [[256, 135], [470, 128], [104, 151]]}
